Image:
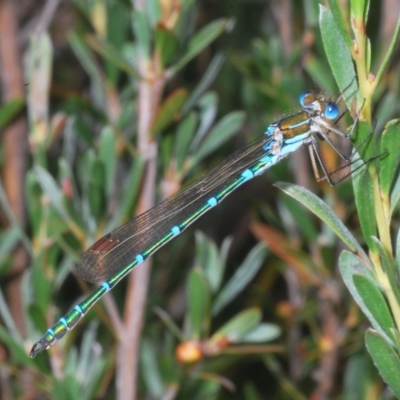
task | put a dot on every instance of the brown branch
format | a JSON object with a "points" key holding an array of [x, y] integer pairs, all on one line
{"points": [[149, 96], [14, 142], [15, 155]]}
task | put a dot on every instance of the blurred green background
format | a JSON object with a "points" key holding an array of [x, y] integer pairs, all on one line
{"points": [[110, 106]]}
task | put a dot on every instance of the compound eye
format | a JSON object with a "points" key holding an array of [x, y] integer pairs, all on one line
{"points": [[331, 110], [306, 98]]}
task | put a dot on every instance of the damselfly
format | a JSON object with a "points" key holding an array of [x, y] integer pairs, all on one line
{"points": [[117, 253]]}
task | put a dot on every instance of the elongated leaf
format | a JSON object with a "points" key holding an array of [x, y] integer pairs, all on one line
{"points": [[52, 190], [338, 54], [339, 20], [385, 359], [243, 323], [184, 136], [388, 267], [199, 301], [90, 65], [201, 40], [150, 362], [223, 131], [15, 348], [262, 333], [168, 110], [243, 275], [208, 110], [375, 302], [141, 30], [111, 54], [211, 260], [390, 143], [395, 194], [350, 265], [364, 197], [206, 80], [324, 212], [108, 156], [166, 44]]}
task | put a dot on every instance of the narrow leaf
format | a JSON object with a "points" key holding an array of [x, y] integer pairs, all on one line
{"points": [[262, 333], [385, 359], [198, 295], [243, 323], [201, 40], [168, 110], [374, 301], [223, 131], [166, 44], [364, 197], [338, 54], [324, 212], [243, 275], [351, 265], [390, 144]]}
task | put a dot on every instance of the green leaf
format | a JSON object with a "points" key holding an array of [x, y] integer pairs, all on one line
{"points": [[8, 320], [385, 359], [141, 30], [207, 259], [240, 325], [242, 276], [89, 63], [96, 189], [108, 157], [222, 131], [168, 110], [207, 79], [395, 195], [51, 189], [351, 265], [167, 44], [375, 302], [358, 374], [131, 190], [364, 197], [390, 144], [262, 333], [199, 300], [340, 22], [388, 268], [15, 348], [208, 105], [184, 136], [324, 212], [10, 110], [9, 239], [201, 40], [111, 54], [149, 361], [338, 55]]}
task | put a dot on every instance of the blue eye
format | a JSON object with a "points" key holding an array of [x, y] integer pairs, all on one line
{"points": [[306, 99], [331, 110], [302, 97]]}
